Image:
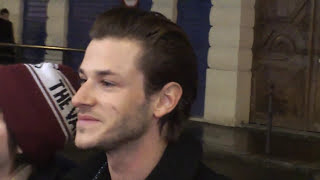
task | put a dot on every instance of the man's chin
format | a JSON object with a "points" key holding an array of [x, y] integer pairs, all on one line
{"points": [[83, 142]]}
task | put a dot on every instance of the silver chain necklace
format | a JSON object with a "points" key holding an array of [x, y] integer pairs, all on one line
{"points": [[102, 168]]}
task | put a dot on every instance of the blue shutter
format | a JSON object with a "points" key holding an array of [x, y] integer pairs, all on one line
{"points": [[34, 28], [193, 17], [145, 4], [81, 17]]}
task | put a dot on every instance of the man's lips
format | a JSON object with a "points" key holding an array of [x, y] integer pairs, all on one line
{"points": [[84, 120]]}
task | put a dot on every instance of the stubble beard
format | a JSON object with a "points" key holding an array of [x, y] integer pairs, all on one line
{"points": [[127, 134]]}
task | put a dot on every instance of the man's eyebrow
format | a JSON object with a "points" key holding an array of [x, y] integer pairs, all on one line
{"points": [[104, 73], [100, 72]]}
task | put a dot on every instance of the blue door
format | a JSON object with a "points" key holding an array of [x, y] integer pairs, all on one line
{"points": [[193, 17], [34, 28], [82, 14], [81, 17], [145, 4]]}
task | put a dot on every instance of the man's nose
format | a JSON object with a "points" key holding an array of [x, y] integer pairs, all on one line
{"points": [[84, 96]]}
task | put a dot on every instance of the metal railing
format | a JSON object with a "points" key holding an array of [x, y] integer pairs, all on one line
{"points": [[270, 118], [56, 48], [20, 51]]}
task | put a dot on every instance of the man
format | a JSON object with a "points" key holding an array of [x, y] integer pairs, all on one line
{"points": [[139, 79], [6, 36]]}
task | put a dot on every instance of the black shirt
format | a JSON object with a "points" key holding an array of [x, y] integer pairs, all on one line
{"points": [[180, 161]]}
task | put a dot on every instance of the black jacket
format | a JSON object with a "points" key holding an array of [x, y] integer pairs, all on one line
{"points": [[6, 36], [6, 31], [180, 161]]}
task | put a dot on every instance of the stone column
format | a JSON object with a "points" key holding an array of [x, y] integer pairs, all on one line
{"points": [[57, 28], [228, 88]]}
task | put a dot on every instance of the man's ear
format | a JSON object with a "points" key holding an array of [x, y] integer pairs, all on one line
{"points": [[167, 99]]}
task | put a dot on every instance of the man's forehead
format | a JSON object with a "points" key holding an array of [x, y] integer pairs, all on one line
{"points": [[112, 55], [116, 43]]}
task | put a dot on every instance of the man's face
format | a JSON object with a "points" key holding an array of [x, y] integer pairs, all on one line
{"points": [[4, 146], [5, 16], [113, 109]]}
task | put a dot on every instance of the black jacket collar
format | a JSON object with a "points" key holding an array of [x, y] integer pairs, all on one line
{"points": [[179, 161]]}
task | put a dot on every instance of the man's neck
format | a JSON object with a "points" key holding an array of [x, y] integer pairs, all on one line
{"points": [[136, 160]]}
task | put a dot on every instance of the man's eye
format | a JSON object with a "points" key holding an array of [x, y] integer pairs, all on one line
{"points": [[82, 81], [107, 83]]}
